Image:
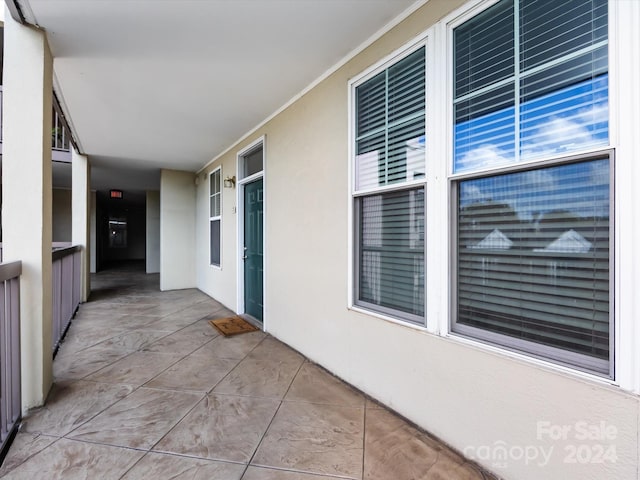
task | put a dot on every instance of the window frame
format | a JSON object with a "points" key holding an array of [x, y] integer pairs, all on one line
{"points": [[215, 218], [356, 195], [559, 357]]}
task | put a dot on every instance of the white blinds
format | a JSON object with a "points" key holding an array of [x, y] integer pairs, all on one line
{"points": [[214, 226], [530, 81], [215, 211], [391, 251], [533, 258], [214, 194], [390, 150], [390, 111]]}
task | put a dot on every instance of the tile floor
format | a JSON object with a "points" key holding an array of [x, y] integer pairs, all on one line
{"points": [[145, 388]]}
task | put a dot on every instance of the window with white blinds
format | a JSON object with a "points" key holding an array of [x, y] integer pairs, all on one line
{"points": [[389, 127], [391, 252], [389, 151], [533, 245], [533, 260], [530, 81], [215, 215]]}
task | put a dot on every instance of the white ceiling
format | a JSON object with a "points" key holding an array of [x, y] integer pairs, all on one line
{"points": [[152, 84]]}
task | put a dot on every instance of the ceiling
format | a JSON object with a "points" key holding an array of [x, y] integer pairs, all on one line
{"points": [[152, 84]]}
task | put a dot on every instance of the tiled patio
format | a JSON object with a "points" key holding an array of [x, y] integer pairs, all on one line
{"points": [[146, 389]]}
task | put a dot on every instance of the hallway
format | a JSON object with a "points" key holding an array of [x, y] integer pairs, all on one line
{"points": [[145, 388]]}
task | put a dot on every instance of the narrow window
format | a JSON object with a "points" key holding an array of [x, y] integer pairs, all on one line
{"points": [[215, 215], [389, 188]]}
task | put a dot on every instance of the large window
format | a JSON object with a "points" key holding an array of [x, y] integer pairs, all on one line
{"points": [[215, 215], [389, 200], [533, 243]]}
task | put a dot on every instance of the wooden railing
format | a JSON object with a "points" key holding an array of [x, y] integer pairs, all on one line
{"points": [[66, 290], [10, 393]]}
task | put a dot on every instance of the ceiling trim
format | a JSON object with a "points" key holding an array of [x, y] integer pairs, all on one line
{"points": [[346, 59]]}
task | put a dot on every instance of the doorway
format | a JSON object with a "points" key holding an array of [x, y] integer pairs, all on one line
{"points": [[121, 230], [251, 231]]}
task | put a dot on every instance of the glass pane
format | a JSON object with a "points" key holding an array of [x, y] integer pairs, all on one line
{"points": [[390, 147], [215, 242], [216, 205], [566, 107], [252, 162], [117, 232], [371, 162], [484, 134], [215, 181], [533, 256], [406, 160], [407, 87], [391, 273], [371, 105], [484, 49], [551, 29]]}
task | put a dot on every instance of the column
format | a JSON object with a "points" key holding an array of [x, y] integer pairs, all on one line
{"points": [[26, 196], [177, 230], [80, 212]]}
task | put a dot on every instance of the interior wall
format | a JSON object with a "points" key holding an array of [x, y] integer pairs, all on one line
{"points": [[473, 397], [177, 230], [153, 232]]}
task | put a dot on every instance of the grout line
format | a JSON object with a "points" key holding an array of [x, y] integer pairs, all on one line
{"points": [[203, 397], [281, 402], [29, 457], [210, 392]]}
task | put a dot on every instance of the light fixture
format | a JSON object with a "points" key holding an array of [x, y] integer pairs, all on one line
{"points": [[230, 182]]}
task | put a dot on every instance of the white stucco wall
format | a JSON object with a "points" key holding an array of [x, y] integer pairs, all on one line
{"points": [[177, 230], [153, 232], [219, 282], [475, 398]]}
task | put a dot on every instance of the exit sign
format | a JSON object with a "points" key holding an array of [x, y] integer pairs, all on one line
{"points": [[115, 193]]}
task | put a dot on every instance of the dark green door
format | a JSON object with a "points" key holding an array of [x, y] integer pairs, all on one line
{"points": [[253, 233]]}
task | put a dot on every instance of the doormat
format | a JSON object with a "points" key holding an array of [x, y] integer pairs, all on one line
{"points": [[232, 326]]}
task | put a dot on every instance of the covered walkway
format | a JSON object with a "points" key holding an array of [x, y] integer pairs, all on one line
{"points": [[145, 388]]}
